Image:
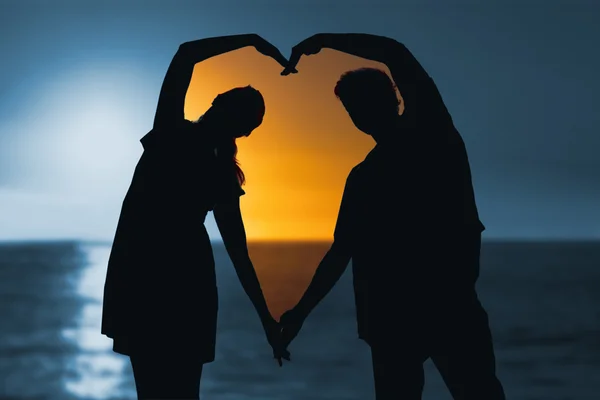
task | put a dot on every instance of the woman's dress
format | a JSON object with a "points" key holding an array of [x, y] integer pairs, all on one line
{"points": [[160, 288]]}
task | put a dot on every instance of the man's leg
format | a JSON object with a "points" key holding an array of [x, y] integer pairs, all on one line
{"points": [[398, 375], [463, 351]]}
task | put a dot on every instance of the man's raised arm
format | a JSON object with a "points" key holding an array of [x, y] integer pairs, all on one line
{"points": [[414, 83]]}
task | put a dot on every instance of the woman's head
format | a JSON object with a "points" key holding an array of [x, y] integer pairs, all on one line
{"points": [[233, 114], [237, 112]]}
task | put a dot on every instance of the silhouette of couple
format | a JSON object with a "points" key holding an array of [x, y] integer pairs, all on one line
{"points": [[407, 220]]}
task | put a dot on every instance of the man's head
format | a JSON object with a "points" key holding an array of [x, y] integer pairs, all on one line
{"points": [[369, 96], [237, 112]]}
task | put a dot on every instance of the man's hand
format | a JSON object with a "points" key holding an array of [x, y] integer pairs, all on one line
{"points": [[273, 332], [266, 48], [291, 322], [309, 46]]}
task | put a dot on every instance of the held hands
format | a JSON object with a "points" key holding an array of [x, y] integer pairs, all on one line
{"points": [[280, 334], [273, 332]]}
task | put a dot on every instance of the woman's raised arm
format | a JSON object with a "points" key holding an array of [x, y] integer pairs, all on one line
{"points": [[171, 100]]}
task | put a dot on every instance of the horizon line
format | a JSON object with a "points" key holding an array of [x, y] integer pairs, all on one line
{"points": [[100, 242]]}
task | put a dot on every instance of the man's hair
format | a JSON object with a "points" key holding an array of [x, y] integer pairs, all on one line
{"points": [[367, 84]]}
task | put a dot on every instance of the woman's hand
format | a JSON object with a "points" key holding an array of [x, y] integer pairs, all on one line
{"points": [[266, 48]]}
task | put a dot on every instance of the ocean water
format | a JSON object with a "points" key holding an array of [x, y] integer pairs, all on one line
{"points": [[542, 299]]}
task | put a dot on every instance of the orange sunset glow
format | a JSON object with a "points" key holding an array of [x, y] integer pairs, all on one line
{"points": [[297, 161]]}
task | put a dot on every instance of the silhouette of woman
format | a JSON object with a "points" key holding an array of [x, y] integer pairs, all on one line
{"points": [[160, 295]]}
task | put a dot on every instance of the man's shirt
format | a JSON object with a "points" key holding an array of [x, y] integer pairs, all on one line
{"points": [[403, 213]]}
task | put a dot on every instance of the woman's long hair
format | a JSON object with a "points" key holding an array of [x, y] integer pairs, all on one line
{"points": [[250, 106], [227, 152]]}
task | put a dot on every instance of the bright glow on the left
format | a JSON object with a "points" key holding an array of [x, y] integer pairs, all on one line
{"points": [[75, 152], [86, 131]]}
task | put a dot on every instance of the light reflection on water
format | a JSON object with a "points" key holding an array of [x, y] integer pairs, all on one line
{"points": [[51, 347], [96, 372]]}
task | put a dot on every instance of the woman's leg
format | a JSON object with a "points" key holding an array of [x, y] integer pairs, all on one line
{"points": [[160, 374]]}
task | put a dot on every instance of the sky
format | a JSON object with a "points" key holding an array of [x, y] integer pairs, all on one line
{"points": [[79, 81]]}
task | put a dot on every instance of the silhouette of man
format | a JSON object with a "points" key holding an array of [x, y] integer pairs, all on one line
{"points": [[409, 222]]}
